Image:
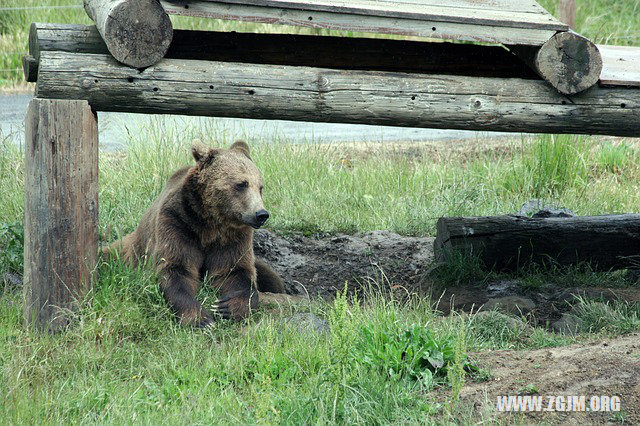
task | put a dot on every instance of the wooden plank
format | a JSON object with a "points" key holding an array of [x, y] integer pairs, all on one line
{"points": [[511, 241], [301, 50], [361, 23], [621, 65], [226, 89], [136, 32], [521, 16], [61, 209]]}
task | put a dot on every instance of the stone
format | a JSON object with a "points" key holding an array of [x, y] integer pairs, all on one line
{"points": [[567, 324], [514, 305]]}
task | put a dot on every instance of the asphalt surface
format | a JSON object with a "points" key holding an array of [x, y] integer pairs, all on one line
{"points": [[115, 128]]}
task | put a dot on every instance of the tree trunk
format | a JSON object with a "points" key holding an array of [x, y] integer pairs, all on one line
{"points": [[225, 89], [508, 242], [61, 209], [136, 32]]}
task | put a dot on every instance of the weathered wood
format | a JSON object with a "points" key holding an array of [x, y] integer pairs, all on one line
{"points": [[568, 61], [424, 27], [30, 68], [620, 65], [136, 32], [303, 50], [519, 13], [567, 12], [508, 242], [316, 94], [61, 209]]}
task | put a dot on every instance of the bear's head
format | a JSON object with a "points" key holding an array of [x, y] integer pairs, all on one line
{"points": [[230, 185]]}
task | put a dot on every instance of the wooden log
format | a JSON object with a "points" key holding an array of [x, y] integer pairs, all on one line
{"points": [[30, 68], [226, 89], [508, 242], [567, 12], [302, 50], [136, 32], [568, 61], [61, 209]]}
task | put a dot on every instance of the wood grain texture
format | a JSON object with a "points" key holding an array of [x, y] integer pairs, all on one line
{"points": [[508, 242], [303, 50], [620, 65], [226, 89], [567, 12], [136, 32], [61, 209], [524, 14], [434, 28], [568, 61]]}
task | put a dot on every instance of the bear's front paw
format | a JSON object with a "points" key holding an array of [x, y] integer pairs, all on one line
{"points": [[222, 308]]}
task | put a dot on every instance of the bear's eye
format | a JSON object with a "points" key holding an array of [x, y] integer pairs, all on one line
{"points": [[260, 189], [242, 185]]}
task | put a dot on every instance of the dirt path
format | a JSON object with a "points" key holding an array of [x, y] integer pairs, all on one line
{"points": [[605, 367]]}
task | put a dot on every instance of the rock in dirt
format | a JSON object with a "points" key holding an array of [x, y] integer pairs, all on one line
{"points": [[320, 266], [538, 208], [307, 323], [567, 324], [499, 317], [514, 305]]}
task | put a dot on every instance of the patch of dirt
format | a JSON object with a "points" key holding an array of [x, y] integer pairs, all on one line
{"points": [[606, 367], [320, 266]]}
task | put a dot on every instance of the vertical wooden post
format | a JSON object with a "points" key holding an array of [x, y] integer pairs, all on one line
{"points": [[567, 12], [61, 209]]}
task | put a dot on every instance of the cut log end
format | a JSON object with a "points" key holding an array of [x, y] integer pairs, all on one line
{"points": [[30, 68], [137, 33], [569, 62]]}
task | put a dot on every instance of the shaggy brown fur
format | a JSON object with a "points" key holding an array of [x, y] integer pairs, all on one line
{"points": [[200, 226]]}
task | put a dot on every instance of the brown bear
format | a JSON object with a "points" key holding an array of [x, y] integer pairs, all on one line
{"points": [[201, 226]]}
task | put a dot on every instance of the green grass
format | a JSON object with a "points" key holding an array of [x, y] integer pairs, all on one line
{"points": [[125, 360], [603, 21]]}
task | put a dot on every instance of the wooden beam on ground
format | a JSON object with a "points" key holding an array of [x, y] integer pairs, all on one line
{"points": [[568, 61], [136, 32], [225, 89], [301, 50], [61, 209], [508, 242], [500, 21]]}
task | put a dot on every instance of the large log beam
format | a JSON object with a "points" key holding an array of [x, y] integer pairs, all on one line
{"points": [[61, 209], [300, 50], [508, 242], [317, 94], [136, 32], [568, 61]]}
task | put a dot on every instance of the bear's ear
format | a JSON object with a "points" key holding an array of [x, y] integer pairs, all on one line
{"points": [[199, 150], [241, 146]]}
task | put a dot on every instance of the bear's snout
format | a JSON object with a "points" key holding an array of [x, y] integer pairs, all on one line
{"points": [[261, 217]]}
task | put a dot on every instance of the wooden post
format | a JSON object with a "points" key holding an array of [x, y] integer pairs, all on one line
{"points": [[136, 32], [567, 12], [61, 209]]}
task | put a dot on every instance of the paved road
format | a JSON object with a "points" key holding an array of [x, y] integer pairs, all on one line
{"points": [[114, 128]]}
